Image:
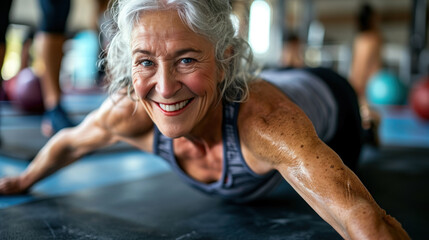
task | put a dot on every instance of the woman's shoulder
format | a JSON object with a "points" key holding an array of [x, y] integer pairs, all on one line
{"points": [[266, 99], [124, 116], [268, 108], [267, 120]]}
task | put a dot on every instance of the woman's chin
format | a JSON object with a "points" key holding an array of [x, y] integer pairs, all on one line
{"points": [[172, 132]]}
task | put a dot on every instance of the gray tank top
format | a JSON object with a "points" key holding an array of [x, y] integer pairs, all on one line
{"points": [[238, 182]]}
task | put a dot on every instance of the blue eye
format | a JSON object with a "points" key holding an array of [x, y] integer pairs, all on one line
{"points": [[147, 63], [187, 60]]}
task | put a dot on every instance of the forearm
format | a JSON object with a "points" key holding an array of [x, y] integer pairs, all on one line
{"points": [[358, 216], [368, 222], [56, 154], [346, 205]]}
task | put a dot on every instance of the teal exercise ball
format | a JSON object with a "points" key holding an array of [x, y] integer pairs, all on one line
{"points": [[384, 88]]}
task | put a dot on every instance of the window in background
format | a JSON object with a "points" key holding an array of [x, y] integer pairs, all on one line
{"points": [[259, 26]]}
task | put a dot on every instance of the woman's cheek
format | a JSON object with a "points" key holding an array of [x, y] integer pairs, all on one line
{"points": [[139, 86], [200, 84]]}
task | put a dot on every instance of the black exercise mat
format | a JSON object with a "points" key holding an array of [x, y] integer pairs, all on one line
{"points": [[161, 207]]}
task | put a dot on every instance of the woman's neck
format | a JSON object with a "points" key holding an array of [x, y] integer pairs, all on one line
{"points": [[208, 131]]}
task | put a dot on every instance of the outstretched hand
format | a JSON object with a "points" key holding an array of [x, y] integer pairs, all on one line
{"points": [[11, 186]]}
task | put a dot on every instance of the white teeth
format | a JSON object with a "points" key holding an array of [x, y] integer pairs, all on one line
{"points": [[173, 107]]}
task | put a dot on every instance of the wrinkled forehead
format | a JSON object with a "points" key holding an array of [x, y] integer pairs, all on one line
{"points": [[164, 24], [167, 21], [163, 17]]}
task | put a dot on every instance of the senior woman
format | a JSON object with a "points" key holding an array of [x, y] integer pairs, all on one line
{"points": [[180, 90]]}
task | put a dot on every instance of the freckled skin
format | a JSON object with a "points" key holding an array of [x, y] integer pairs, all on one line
{"points": [[311, 167], [274, 133]]}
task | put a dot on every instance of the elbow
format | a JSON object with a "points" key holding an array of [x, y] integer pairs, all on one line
{"points": [[62, 145]]}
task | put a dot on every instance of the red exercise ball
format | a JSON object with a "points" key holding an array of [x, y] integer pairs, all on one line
{"points": [[27, 92], [420, 98]]}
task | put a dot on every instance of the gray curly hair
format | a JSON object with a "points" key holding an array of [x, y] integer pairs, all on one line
{"points": [[210, 18]]}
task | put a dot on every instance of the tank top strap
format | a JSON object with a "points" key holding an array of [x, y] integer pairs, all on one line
{"points": [[163, 146]]}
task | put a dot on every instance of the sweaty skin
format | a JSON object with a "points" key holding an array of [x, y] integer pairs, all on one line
{"points": [[282, 138], [181, 71]]}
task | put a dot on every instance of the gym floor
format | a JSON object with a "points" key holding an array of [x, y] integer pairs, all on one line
{"points": [[121, 193]]}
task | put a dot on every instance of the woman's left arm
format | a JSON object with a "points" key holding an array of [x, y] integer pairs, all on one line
{"points": [[281, 137], [337, 195]]}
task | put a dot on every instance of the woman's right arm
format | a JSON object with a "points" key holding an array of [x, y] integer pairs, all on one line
{"points": [[99, 129]]}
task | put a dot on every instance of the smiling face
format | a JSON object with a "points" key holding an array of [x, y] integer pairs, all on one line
{"points": [[174, 72]]}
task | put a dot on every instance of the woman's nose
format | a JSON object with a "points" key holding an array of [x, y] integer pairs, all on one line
{"points": [[167, 84]]}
